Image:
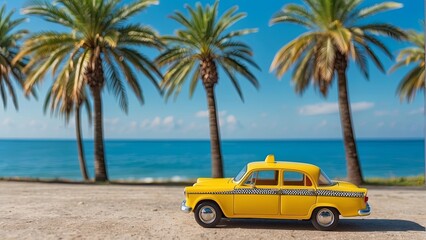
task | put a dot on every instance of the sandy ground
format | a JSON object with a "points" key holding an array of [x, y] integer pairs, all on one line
{"points": [[67, 211]]}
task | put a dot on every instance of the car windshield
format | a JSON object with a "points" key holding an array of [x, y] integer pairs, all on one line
{"points": [[324, 180], [240, 174]]}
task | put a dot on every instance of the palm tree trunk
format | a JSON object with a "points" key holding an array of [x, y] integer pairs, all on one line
{"points": [[94, 77], [424, 95], [80, 149], [217, 166], [100, 166], [352, 162]]}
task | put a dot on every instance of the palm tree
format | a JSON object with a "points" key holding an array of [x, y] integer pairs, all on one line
{"points": [[9, 47], [414, 80], [204, 44], [337, 31], [101, 47], [63, 101]]}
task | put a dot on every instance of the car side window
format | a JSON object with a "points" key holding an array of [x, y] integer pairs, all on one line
{"points": [[263, 177], [292, 178]]}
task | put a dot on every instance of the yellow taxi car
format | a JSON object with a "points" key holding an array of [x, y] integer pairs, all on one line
{"points": [[276, 190]]}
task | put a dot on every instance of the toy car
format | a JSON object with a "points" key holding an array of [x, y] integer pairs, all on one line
{"points": [[275, 190]]}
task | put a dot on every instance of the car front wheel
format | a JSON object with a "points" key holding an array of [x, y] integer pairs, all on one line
{"points": [[207, 214], [325, 219]]}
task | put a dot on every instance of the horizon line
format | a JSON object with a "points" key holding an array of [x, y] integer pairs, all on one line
{"points": [[207, 139]]}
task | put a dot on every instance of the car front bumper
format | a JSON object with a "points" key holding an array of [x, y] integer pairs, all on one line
{"points": [[366, 211], [185, 208]]}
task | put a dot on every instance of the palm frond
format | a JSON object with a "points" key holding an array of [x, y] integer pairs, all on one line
{"points": [[334, 27], [231, 74], [127, 11], [381, 7], [205, 37], [290, 53], [10, 71], [194, 81], [384, 29], [114, 83], [325, 60], [96, 30], [413, 81]]}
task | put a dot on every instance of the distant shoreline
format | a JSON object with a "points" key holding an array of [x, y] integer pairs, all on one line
{"points": [[207, 140]]}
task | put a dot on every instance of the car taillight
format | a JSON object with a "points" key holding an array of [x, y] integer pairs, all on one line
{"points": [[365, 199]]}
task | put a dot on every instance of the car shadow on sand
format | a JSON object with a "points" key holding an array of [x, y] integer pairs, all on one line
{"points": [[345, 225]]}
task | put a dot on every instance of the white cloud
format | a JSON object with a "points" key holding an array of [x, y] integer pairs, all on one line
{"points": [[168, 122], [417, 111], [361, 106], [329, 108], [380, 124], [7, 122], [202, 114], [155, 122], [231, 123], [34, 124], [111, 121], [145, 123], [205, 114], [381, 113], [231, 119], [319, 109], [225, 120]]}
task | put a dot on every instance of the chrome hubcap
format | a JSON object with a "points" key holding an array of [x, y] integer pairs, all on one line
{"points": [[325, 217], [207, 214]]}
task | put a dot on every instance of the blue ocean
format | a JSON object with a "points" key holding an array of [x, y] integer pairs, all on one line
{"points": [[177, 160]]}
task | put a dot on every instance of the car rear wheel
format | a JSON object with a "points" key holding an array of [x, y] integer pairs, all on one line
{"points": [[207, 214], [325, 219]]}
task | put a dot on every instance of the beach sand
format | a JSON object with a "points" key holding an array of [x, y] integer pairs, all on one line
{"points": [[76, 211]]}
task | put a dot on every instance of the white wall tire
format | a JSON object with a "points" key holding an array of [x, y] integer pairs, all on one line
{"points": [[325, 218], [208, 214]]}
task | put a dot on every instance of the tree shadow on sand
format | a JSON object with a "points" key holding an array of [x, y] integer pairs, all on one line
{"points": [[345, 225]]}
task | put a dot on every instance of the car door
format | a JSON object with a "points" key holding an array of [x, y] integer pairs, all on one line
{"points": [[258, 194], [298, 194]]}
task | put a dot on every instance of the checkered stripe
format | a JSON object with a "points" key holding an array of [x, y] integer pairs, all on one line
{"points": [[291, 192], [246, 191], [332, 193], [219, 193], [298, 192], [256, 191]]}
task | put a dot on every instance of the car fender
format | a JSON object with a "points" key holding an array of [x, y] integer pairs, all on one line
{"points": [[320, 205], [224, 201]]}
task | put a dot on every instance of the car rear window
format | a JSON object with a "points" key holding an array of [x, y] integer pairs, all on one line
{"points": [[324, 180], [293, 178]]}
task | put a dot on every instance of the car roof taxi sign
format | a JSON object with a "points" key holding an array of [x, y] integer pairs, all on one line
{"points": [[270, 158]]}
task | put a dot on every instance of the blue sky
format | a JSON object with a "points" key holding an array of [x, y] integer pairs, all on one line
{"points": [[272, 112]]}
